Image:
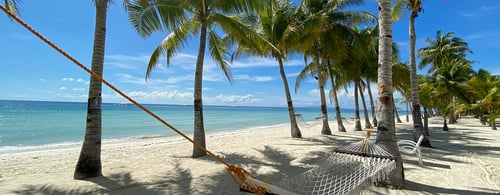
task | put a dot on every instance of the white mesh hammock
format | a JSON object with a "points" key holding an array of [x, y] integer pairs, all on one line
{"points": [[345, 170]]}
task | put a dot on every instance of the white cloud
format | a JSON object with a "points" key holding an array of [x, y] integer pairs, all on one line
{"points": [[127, 61], [490, 8], [466, 14], [262, 62], [69, 79], [43, 80], [127, 78], [140, 62], [160, 95], [78, 89], [249, 98], [62, 88], [256, 78]]}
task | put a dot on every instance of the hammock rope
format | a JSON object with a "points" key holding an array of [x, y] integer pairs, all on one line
{"points": [[238, 174], [363, 160]]}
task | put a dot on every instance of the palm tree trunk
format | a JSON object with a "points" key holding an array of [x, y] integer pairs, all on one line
{"points": [[396, 111], [89, 162], [426, 122], [365, 111], [294, 128], [340, 125], [374, 117], [325, 130], [445, 125], [386, 130], [416, 115], [452, 119], [492, 119], [199, 128], [357, 124], [407, 108]]}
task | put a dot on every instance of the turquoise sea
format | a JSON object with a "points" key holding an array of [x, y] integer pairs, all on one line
{"points": [[33, 125]]}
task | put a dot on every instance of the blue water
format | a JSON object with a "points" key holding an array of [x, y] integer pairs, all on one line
{"points": [[28, 124]]}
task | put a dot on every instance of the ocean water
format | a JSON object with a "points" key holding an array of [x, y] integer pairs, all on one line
{"points": [[30, 125]]}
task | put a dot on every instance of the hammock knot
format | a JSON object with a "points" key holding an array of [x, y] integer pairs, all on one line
{"points": [[239, 176]]}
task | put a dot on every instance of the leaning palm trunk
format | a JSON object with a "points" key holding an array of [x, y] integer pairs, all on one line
{"points": [[340, 125], [295, 131], [325, 130], [386, 130], [357, 124], [374, 116], [407, 107], [89, 162], [396, 111], [365, 111], [199, 129], [416, 115]]}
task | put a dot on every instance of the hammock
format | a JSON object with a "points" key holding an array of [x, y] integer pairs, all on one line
{"points": [[302, 122], [346, 169]]}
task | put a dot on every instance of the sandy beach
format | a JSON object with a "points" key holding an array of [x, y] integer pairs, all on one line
{"points": [[464, 161]]}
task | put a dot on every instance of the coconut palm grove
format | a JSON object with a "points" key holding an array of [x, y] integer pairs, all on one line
{"points": [[436, 88]]}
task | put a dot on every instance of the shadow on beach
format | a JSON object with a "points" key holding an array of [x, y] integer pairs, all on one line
{"points": [[180, 180], [276, 165], [121, 183]]}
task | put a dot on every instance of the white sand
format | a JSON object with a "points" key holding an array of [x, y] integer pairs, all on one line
{"points": [[465, 161]]}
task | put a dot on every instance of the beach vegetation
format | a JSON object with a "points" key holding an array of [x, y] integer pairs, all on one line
{"points": [[328, 32], [425, 91], [184, 19], [485, 95], [442, 51], [278, 28]]}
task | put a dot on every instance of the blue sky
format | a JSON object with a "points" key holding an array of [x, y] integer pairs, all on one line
{"points": [[30, 70]]}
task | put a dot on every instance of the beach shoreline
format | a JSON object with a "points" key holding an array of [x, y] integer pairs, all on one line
{"points": [[463, 161]]}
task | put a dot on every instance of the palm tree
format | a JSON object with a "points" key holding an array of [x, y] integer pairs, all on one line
{"points": [[89, 162], [371, 64], [415, 7], [277, 28], [334, 97], [325, 28], [12, 6], [185, 18], [311, 69], [401, 83], [386, 130], [486, 95], [365, 110], [425, 93], [442, 51]]}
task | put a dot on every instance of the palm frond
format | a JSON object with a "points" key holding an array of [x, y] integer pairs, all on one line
{"points": [[168, 47], [151, 16], [219, 53]]}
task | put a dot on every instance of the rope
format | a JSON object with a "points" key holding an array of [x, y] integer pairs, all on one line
{"points": [[240, 180]]}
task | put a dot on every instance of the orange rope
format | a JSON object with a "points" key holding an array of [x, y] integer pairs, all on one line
{"points": [[238, 171]]}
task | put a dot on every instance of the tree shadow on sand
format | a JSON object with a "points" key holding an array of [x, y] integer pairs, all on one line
{"points": [[121, 183], [419, 188], [275, 166]]}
